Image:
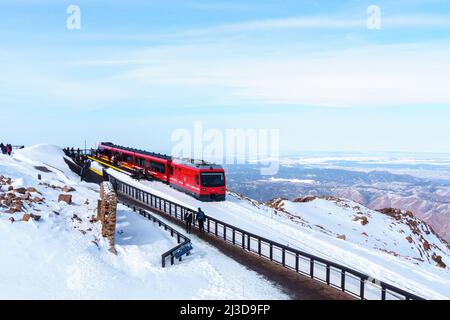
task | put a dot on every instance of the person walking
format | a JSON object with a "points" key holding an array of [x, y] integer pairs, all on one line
{"points": [[8, 149], [85, 169], [188, 218], [2, 148], [201, 220]]}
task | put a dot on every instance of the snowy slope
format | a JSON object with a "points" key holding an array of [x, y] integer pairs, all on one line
{"points": [[62, 255], [378, 248]]}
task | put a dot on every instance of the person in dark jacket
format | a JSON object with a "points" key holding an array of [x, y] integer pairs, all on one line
{"points": [[8, 149], [201, 217], [188, 217], [2, 148], [85, 169]]}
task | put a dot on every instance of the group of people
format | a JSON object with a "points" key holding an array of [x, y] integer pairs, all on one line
{"points": [[71, 152], [200, 218], [6, 148]]}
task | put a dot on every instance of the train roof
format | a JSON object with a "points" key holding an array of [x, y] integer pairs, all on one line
{"points": [[198, 164], [143, 152], [193, 163]]}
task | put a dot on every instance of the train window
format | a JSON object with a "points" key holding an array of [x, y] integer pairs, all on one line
{"points": [[128, 158], [213, 179], [140, 162], [157, 167]]}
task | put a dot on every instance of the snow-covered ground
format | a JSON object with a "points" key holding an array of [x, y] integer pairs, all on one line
{"points": [[63, 256], [379, 248]]}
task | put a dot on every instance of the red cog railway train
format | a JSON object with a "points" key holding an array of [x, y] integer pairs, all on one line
{"points": [[205, 181]]}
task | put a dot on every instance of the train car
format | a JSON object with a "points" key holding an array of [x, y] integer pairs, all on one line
{"points": [[204, 181], [154, 165]]}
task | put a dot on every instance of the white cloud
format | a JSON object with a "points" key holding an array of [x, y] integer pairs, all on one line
{"points": [[370, 76]]}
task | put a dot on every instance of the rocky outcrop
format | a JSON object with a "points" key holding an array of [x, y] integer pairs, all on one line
{"points": [[67, 198], [18, 200], [305, 199]]}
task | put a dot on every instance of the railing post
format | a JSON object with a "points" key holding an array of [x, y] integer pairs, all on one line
{"points": [[207, 225], [224, 232], [243, 241], [216, 229], [248, 243], [163, 261], [361, 288], [234, 236], [328, 274], [311, 268], [271, 251], [383, 293], [259, 246], [343, 280], [296, 262], [283, 257]]}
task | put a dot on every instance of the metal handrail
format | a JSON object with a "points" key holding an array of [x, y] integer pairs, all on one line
{"points": [[277, 252], [182, 240]]}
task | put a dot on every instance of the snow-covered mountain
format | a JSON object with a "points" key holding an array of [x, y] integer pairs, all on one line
{"points": [[392, 246], [60, 254], [392, 231], [427, 197]]}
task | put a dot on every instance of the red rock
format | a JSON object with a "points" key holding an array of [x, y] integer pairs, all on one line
{"points": [[342, 237], [67, 189], [20, 190], [438, 260], [26, 217], [364, 221], [11, 219], [37, 200], [67, 198], [305, 199], [35, 217], [10, 188], [26, 196]]}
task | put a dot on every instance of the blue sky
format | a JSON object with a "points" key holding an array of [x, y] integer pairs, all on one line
{"points": [[137, 70]]}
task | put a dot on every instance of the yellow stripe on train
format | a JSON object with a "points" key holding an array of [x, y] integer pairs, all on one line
{"points": [[97, 172], [107, 164]]}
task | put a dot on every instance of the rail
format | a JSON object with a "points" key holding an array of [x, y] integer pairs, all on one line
{"points": [[182, 240], [333, 274]]}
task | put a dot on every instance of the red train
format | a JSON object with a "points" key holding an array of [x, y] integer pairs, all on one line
{"points": [[204, 181]]}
